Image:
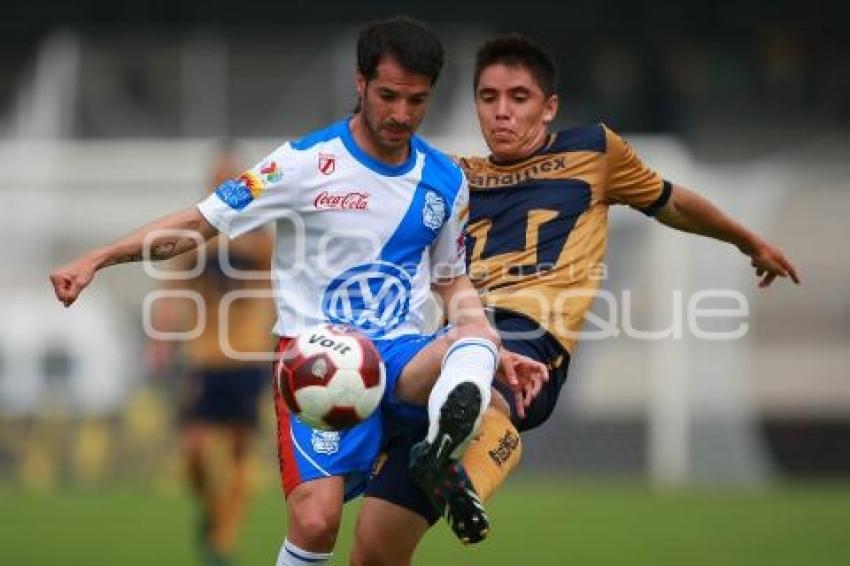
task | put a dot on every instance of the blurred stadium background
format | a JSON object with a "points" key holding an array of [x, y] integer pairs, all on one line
{"points": [[662, 450]]}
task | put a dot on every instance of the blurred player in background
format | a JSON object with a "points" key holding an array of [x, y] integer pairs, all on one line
{"points": [[220, 393], [536, 242]]}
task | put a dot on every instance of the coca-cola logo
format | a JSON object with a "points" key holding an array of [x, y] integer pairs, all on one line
{"points": [[341, 201]]}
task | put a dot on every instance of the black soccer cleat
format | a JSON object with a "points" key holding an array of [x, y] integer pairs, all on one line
{"points": [[457, 419], [461, 506], [443, 479]]}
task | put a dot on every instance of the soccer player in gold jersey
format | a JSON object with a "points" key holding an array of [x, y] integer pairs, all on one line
{"points": [[537, 231]]}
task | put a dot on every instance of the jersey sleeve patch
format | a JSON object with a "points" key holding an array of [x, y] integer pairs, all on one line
{"points": [[239, 193]]}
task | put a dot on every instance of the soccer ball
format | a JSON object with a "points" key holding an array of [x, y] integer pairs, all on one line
{"points": [[331, 377]]}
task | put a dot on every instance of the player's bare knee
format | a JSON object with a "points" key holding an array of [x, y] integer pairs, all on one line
{"points": [[314, 528], [314, 518]]}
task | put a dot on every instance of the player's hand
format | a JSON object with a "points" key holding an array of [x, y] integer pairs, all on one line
{"points": [[770, 262], [68, 281], [524, 376]]}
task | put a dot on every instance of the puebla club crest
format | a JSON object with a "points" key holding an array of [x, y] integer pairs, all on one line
{"points": [[434, 211], [325, 441]]}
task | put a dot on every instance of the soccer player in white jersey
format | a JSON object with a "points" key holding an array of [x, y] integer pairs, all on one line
{"points": [[369, 220]]}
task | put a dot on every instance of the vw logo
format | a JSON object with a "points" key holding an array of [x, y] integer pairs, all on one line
{"points": [[374, 297]]}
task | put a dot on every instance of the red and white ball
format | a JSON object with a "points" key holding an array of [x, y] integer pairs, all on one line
{"points": [[331, 377]]}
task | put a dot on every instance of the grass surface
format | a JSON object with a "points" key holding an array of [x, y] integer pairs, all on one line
{"points": [[533, 523]]}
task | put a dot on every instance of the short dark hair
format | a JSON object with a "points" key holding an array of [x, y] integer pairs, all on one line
{"points": [[409, 42], [517, 50]]}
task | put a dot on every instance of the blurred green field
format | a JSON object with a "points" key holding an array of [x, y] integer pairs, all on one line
{"points": [[533, 523]]}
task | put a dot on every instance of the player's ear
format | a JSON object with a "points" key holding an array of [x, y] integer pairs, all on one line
{"points": [[550, 109], [360, 84]]}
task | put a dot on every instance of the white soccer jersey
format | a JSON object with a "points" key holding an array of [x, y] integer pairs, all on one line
{"points": [[358, 242]]}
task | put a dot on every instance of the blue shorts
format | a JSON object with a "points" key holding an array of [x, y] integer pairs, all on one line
{"points": [[306, 454]]}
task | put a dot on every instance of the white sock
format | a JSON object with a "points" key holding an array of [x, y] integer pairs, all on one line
{"points": [[468, 359], [291, 555]]}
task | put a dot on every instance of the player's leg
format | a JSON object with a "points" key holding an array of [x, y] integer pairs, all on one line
{"points": [[386, 534], [199, 417], [314, 510], [496, 450], [231, 498], [319, 471], [494, 453], [460, 364], [455, 354], [379, 541], [314, 499], [455, 407], [245, 385], [487, 461], [395, 513], [194, 436]]}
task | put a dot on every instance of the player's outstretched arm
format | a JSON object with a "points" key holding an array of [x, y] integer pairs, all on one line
{"points": [[162, 238], [689, 212]]}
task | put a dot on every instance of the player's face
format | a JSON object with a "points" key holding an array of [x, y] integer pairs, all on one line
{"points": [[392, 106], [513, 112]]}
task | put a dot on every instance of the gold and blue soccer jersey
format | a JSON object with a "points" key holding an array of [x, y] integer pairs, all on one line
{"points": [[538, 226]]}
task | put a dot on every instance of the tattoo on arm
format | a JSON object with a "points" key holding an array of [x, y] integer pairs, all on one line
{"points": [[160, 251], [164, 250]]}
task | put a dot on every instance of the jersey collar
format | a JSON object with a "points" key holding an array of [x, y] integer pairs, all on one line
{"points": [[370, 162]]}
